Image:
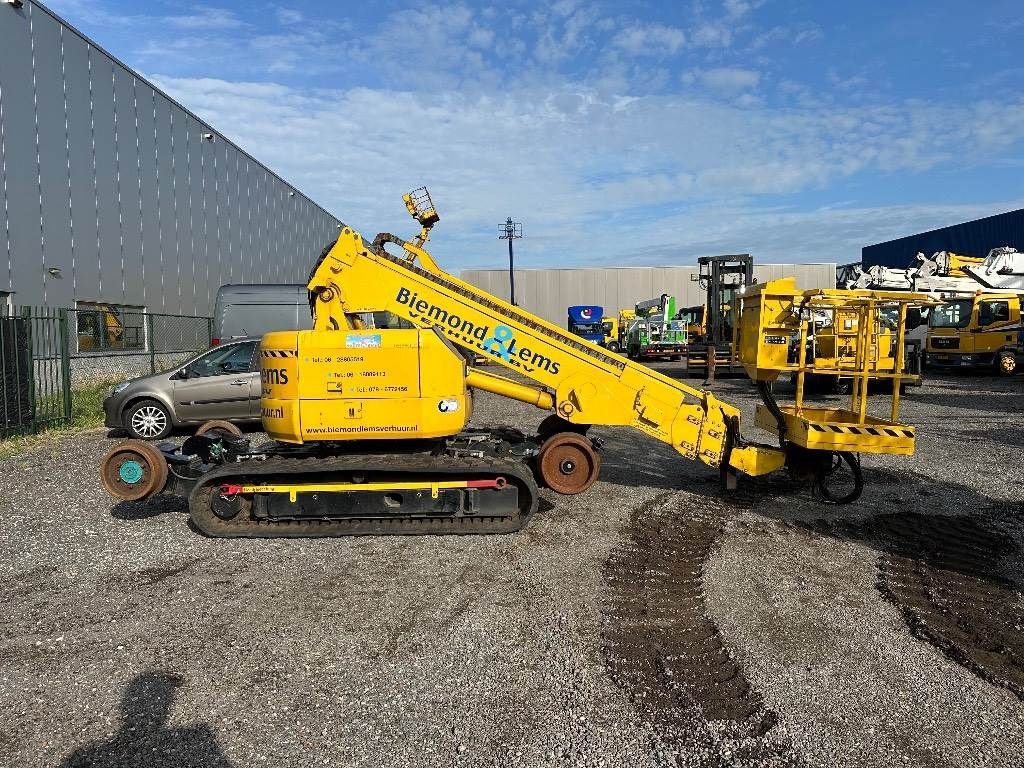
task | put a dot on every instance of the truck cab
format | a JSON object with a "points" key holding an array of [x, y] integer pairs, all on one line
{"points": [[610, 326], [980, 331], [585, 321]]}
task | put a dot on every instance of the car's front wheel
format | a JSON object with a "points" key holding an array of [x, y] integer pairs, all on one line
{"points": [[147, 420]]}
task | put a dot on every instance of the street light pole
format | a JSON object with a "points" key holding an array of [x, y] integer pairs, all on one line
{"points": [[511, 230]]}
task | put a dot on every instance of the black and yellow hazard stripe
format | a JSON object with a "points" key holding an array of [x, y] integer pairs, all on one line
{"points": [[855, 430]]}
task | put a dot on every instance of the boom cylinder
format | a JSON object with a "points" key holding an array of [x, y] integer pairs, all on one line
{"points": [[499, 385]]}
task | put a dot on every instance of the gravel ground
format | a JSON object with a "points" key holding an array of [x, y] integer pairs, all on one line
{"points": [[653, 620]]}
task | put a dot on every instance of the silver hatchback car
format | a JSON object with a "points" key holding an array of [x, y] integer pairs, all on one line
{"points": [[222, 383]]}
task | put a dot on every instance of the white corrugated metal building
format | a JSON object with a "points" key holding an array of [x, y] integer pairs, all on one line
{"points": [[547, 292]]}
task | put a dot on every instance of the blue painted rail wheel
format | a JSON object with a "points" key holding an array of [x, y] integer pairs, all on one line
{"points": [[133, 470]]}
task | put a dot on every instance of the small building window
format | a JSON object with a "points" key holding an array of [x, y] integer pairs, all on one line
{"points": [[101, 326]]}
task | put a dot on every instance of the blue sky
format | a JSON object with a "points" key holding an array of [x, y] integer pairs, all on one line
{"points": [[618, 133]]}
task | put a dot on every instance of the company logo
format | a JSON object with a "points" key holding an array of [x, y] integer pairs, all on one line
{"points": [[448, 406], [587, 313], [501, 343]]}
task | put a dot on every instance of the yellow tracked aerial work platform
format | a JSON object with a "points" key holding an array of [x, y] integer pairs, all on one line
{"points": [[371, 421]]}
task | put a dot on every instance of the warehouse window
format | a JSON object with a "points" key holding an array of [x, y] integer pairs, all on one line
{"points": [[6, 302], [101, 326]]}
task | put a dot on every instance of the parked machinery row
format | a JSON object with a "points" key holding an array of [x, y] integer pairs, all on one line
{"points": [[976, 323]]}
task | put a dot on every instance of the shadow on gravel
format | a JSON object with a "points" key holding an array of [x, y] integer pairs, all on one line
{"points": [[143, 510], [999, 401], [1010, 436], [144, 738]]}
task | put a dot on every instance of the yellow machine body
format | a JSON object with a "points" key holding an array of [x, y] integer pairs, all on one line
{"points": [[582, 382], [362, 385], [775, 317], [343, 386], [696, 319], [409, 382], [835, 344]]}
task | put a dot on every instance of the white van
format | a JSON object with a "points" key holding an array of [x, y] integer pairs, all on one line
{"points": [[252, 310]]}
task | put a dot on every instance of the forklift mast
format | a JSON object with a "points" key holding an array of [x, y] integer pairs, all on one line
{"points": [[722, 277]]}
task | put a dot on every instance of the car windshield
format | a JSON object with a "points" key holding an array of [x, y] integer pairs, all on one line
{"points": [[952, 314], [607, 327]]}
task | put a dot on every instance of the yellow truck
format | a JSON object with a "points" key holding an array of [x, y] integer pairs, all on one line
{"points": [[980, 331], [615, 329]]}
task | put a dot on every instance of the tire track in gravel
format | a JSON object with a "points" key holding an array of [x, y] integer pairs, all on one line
{"points": [[665, 652], [944, 575]]}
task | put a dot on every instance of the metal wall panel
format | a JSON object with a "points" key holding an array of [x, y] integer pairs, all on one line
{"points": [[971, 238], [106, 178], [127, 182], [169, 299], [149, 208], [219, 243], [186, 287], [191, 241], [245, 210], [81, 214], [547, 292], [232, 253], [260, 223], [108, 250], [55, 242], [20, 171], [205, 218]]}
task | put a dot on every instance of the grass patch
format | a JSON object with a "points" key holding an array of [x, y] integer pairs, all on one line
{"points": [[86, 413]]}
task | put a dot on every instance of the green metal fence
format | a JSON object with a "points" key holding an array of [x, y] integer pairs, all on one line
{"points": [[118, 344], [34, 366], [46, 353]]}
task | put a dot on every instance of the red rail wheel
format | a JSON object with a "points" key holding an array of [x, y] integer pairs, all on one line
{"points": [[219, 428], [133, 470], [568, 463]]}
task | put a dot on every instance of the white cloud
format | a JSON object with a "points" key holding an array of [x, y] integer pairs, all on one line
{"points": [[712, 36], [481, 37], [205, 19], [650, 39], [727, 80], [588, 172], [290, 16]]}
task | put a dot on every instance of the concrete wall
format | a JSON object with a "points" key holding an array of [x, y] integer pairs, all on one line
{"points": [[107, 179], [547, 292]]}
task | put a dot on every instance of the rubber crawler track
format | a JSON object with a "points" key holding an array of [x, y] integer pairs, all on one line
{"points": [[661, 647], [247, 526], [942, 573]]}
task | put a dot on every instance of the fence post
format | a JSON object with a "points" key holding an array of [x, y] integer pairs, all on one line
{"points": [[209, 331], [151, 342], [65, 362], [26, 313]]}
